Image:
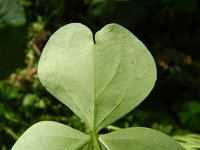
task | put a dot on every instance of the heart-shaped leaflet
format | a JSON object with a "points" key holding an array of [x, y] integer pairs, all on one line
{"points": [[100, 80]]}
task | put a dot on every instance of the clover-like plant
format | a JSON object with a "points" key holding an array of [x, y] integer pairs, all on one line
{"points": [[100, 80]]}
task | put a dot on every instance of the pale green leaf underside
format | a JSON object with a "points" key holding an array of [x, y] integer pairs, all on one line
{"points": [[99, 82], [138, 138], [49, 135]]}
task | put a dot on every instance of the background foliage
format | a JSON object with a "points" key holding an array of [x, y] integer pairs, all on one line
{"points": [[169, 28]]}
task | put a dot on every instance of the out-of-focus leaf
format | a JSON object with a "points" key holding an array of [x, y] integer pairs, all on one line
{"points": [[12, 35], [189, 141], [188, 110], [11, 13]]}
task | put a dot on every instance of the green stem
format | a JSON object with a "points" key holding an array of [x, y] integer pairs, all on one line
{"points": [[95, 141], [114, 128], [11, 133]]}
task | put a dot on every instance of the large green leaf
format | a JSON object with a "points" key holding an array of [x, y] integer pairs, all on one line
{"points": [[100, 82], [138, 138], [49, 135]]}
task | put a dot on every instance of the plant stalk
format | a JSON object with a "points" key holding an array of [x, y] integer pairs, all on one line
{"points": [[95, 141]]}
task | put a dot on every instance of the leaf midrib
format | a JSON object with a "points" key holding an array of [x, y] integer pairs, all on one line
{"points": [[94, 89]]}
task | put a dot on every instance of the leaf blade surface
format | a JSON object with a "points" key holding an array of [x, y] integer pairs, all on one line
{"points": [[52, 136], [66, 69], [126, 78], [138, 138]]}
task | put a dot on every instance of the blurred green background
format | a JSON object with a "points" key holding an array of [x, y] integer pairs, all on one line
{"points": [[169, 28]]}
